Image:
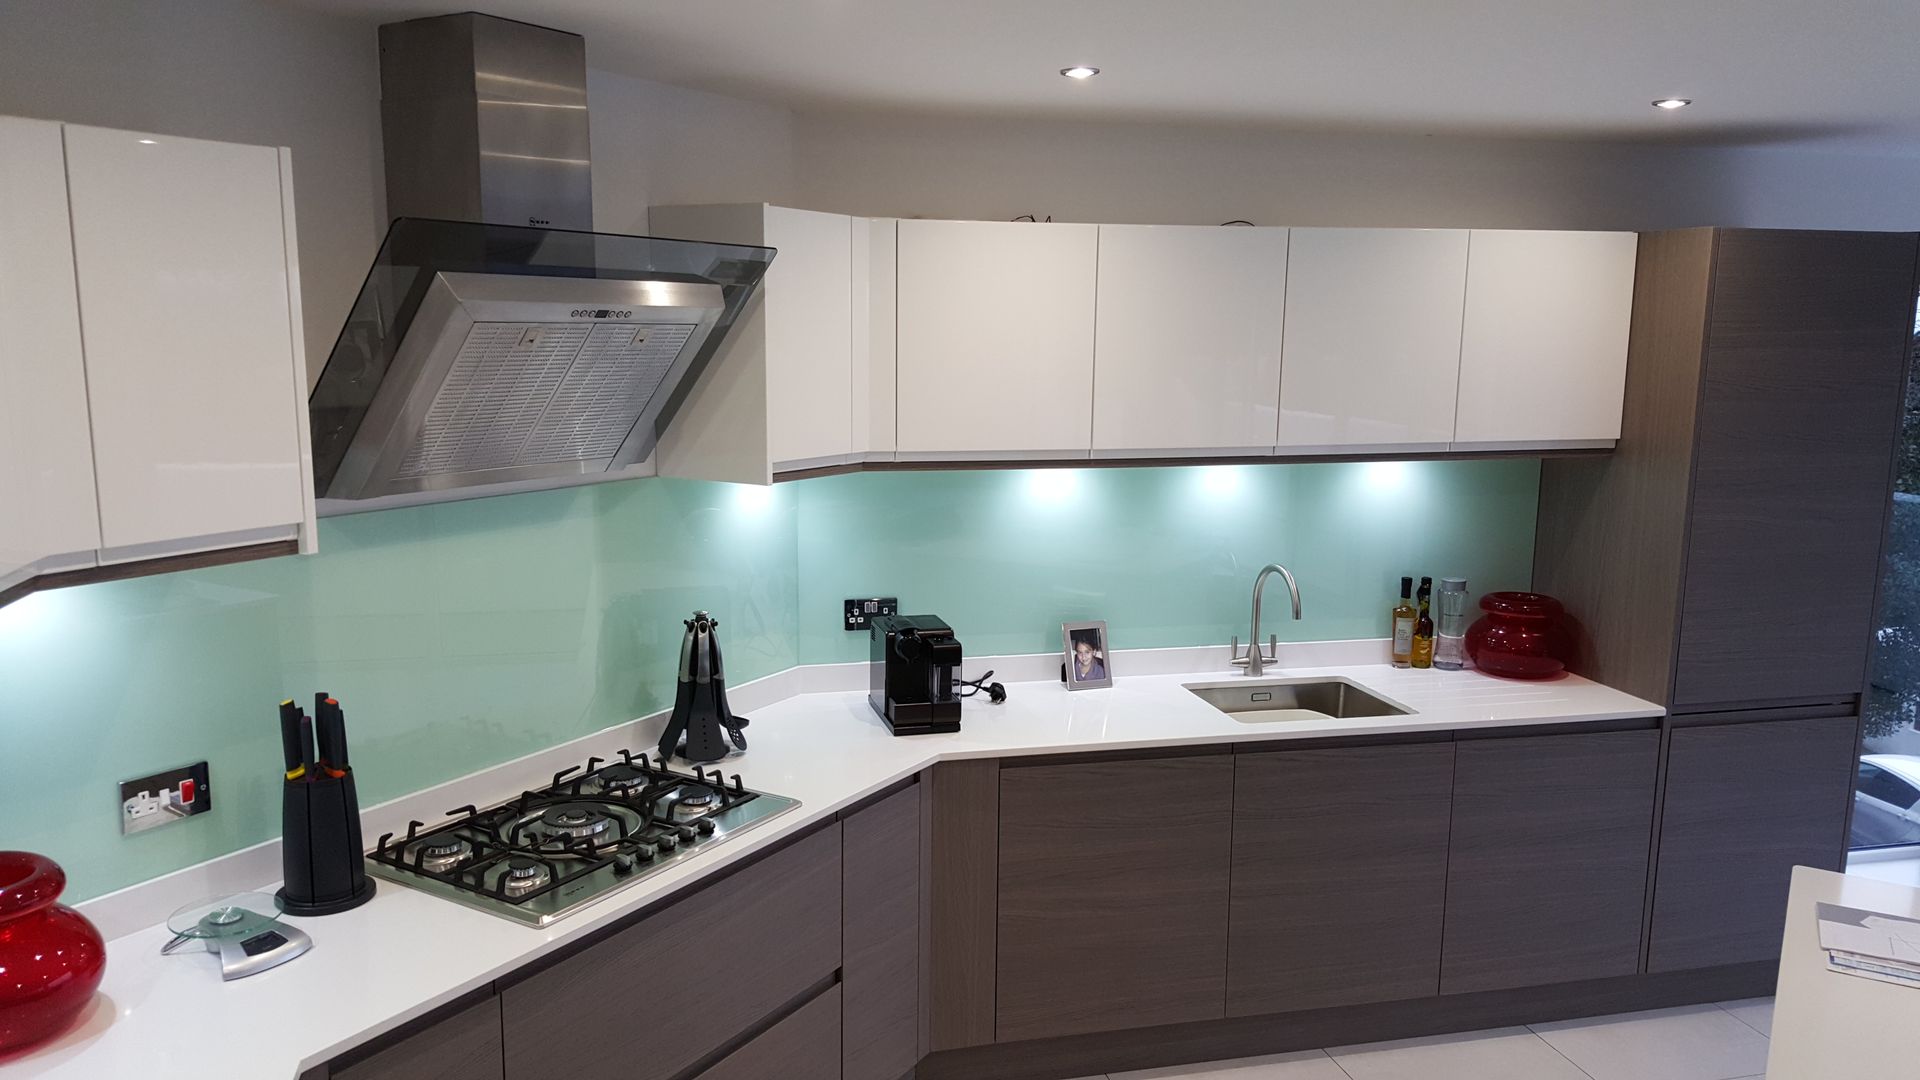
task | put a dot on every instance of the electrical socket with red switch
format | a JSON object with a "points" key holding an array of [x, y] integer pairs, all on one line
{"points": [[164, 798]]}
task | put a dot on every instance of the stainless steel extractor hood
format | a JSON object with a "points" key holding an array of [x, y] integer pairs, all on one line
{"points": [[496, 344]]}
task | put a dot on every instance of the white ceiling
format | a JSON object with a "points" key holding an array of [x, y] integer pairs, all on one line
{"points": [[1759, 70]]}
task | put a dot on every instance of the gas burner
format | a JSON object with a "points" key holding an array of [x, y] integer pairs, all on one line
{"points": [[573, 826], [444, 853], [575, 819], [524, 875], [622, 779], [689, 800]]}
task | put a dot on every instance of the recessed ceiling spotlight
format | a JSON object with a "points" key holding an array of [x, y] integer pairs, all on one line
{"points": [[1671, 103], [1080, 71]]}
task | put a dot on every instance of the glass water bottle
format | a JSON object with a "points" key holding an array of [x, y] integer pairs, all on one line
{"points": [[1449, 647]]}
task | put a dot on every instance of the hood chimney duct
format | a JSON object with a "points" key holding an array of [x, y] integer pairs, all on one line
{"points": [[485, 119]]}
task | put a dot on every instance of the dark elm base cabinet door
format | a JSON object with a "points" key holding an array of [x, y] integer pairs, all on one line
{"points": [[1746, 803], [720, 961], [805, 1045], [1339, 876], [1547, 873], [1113, 895], [1799, 416], [464, 1046], [881, 978]]}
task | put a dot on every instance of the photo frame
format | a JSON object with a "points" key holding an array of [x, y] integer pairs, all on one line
{"points": [[1089, 662]]}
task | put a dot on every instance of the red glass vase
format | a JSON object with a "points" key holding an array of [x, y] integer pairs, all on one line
{"points": [[1521, 636], [51, 957]]}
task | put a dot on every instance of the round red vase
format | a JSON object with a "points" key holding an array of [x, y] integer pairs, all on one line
{"points": [[51, 957], [1521, 636]]}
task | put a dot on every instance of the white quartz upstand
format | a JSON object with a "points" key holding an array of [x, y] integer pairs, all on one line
{"points": [[406, 952]]}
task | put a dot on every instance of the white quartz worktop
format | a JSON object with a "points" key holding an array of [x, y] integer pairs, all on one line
{"points": [[406, 952]]}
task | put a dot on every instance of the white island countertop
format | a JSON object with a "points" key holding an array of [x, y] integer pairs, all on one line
{"points": [[1827, 1023], [406, 952]]}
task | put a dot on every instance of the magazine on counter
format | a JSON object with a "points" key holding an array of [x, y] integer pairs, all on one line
{"points": [[1870, 944]]}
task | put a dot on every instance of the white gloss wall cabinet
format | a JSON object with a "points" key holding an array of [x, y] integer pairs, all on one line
{"points": [[1543, 347], [1372, 341], [875, 249], [189, 320], [995, 339], [49, 520], [786, 390], [1187, 338]]}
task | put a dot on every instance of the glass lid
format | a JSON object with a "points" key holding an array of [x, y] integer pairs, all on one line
{"points": [[239, 915]]}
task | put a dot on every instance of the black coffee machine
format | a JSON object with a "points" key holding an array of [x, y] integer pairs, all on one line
{"points": [[916, 661]]}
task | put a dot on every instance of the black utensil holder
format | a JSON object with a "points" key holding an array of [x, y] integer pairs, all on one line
{"points": [[326, 870]]}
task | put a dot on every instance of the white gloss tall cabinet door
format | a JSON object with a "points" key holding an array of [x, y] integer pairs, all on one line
{"points": [[1373, 339], [181, 257], [48, 517], [995, 339], [1186, 348], [1543, 351]]}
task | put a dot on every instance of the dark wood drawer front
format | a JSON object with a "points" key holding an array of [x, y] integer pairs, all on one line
{"points": [[1547, 870], [802, 1046], [1113, 895], [1799, 418], [1339, 876], [881, 976], [464, 1046], [1745, 804], [733, 954]]}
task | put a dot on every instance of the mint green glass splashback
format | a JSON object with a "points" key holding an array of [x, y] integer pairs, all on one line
{"points": [[463, 635], [456, 636], [1166, 556]]}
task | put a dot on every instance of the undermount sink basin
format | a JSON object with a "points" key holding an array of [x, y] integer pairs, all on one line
{"points": [[1307, 699]]}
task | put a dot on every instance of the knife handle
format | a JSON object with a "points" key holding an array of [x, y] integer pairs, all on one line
{"points": [[290, 734], [306, 745], [339, 733], [331, 732]]}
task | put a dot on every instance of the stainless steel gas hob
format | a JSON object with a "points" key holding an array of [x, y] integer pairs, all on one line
{"points": [[590, 833]]}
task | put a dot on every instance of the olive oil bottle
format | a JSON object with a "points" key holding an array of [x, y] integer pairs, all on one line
{"points": [[1405, 618], [1423, 627]]}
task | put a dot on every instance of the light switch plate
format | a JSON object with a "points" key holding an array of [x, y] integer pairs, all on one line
{"points": [[164, 798]]}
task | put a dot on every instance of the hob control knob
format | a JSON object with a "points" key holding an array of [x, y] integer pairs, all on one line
{"points": [[669, 842], [623, 864], [705, 826], [643, 852]]}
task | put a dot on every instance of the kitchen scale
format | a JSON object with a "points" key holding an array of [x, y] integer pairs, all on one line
{"points": [[245, 931]]}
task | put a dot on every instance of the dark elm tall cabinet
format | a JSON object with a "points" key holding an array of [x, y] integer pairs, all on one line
{"points": [[1724, 560]]}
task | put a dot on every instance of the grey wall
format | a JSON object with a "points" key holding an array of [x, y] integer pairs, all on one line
{"points": [[235, 70], [996, 169]]}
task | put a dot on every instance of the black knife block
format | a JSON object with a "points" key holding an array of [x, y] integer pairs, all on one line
{"points": [[326, 871]]}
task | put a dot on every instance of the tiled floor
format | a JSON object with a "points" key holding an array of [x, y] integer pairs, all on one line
{"points": [[1700, 1042]]}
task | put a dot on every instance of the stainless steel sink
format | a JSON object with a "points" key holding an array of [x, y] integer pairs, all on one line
{"points": [[1307, 699]]}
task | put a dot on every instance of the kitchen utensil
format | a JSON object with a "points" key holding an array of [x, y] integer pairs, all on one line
{"points": [[51, 956], [1520, 636], [701, 726], [244, 931], [290, 736], [321, 849]]}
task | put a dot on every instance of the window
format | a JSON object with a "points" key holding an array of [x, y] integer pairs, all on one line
{"points": [[1893, 697]]}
